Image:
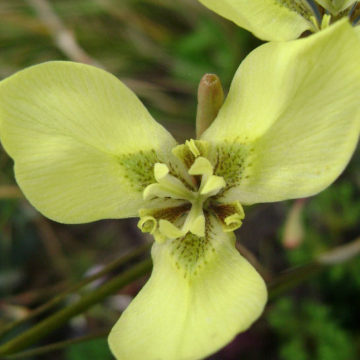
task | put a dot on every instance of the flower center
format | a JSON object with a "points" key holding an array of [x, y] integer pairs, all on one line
{"points": [[195, 191]]}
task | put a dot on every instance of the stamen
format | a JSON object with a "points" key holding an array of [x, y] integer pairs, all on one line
{"points": [[233, 222], [167, 186], [192, 147], [198, 226], [315, 10], [160, 171], [212, 185], [201, 166], [147, 224], [189, 151], [162, 191], [325, 22], [176, 222], [169, 230], [155, 221], [195, 221], [231, 215]]}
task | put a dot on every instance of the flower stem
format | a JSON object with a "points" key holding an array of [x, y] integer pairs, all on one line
{"points": [[279, 285], [210, 100], [293, 277], [56, 320], [62, 296], [56, 346]]}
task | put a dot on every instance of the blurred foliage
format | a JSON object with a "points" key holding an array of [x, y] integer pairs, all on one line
{"points": [[320, 319], [308, 331], [161, 48], [95, 349]]}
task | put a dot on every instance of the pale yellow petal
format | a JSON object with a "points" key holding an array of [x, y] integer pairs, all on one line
{"points": [[291, 120], [275, 20], [357, 31], [201, 293], [83, 144]]}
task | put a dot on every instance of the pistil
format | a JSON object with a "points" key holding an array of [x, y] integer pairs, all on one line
{"points": [[173, 222]]}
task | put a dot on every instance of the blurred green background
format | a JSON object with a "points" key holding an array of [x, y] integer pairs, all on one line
{"points": [[161, 49]]}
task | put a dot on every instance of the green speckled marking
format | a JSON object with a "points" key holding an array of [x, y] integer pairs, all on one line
{"points": [[190, 253], [183, 153], [232, 159], [296, 6], [171, 213], [139, 168]]}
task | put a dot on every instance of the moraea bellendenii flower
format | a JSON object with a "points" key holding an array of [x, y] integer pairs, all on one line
{"points": [[85, 149]]}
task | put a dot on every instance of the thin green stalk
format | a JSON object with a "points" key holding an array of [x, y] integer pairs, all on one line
{"points": [[62, 296], [56, 346], [58, 319], [293, 277], [284, 282]]}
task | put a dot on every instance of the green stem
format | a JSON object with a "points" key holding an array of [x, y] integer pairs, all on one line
{"points": [[56, 320], [62, 296], [56, 346], [283, 283], [293, 277]]}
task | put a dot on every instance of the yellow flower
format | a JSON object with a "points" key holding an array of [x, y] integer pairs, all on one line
{"points": [[85, 149], [282, 20]]}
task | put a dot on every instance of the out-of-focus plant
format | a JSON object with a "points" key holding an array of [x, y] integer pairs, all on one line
{"points": [[307, 330], [96, 153], [208, 46], [325, 328]]}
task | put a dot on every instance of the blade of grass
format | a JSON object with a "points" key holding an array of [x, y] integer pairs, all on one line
{"points": [[46, 326], [282, 283], [59, 298], [56, 346], [293, 277]]}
